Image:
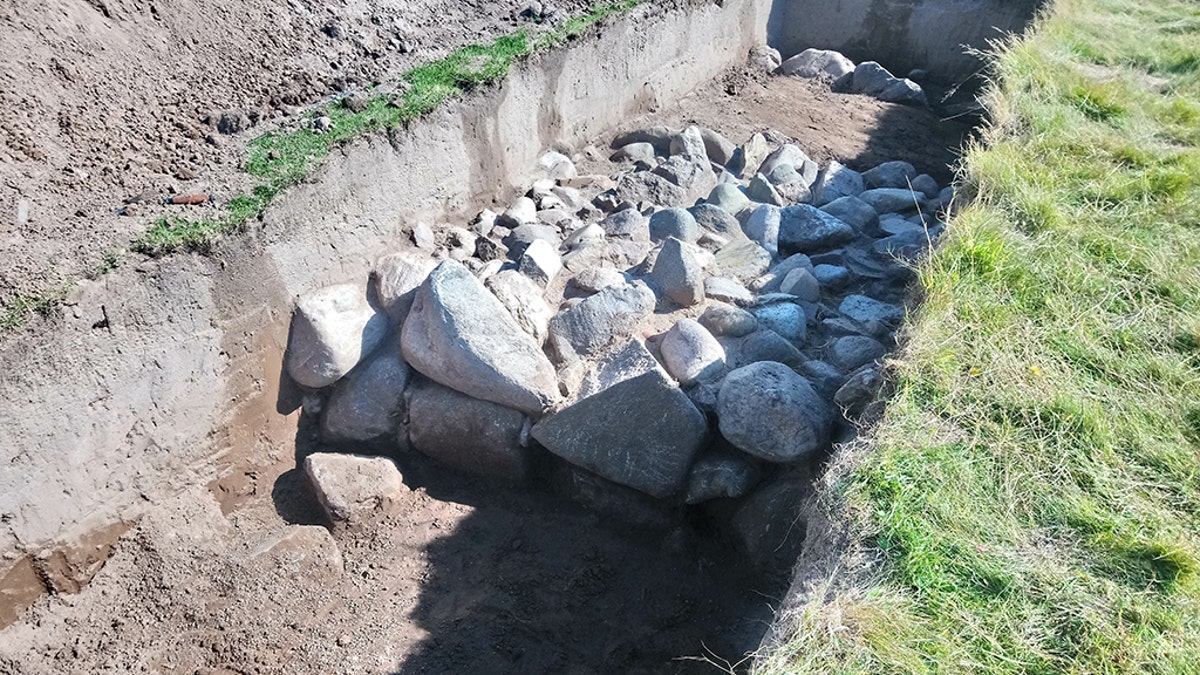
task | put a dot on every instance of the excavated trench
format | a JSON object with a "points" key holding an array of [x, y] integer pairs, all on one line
{"points": [[515, 543]]}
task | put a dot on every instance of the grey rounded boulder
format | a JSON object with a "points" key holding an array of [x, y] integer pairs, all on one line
{"points": [[765, 409]]}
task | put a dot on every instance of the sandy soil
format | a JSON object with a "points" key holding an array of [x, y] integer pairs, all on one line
{"points": [[102, 101], [470, 577]]}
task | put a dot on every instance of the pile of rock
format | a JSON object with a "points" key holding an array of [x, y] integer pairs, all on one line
{"points": [[687, 330], [868, 78]]}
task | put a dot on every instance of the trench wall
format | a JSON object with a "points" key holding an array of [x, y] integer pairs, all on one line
{"points": [[162, 371], [900, 34]]}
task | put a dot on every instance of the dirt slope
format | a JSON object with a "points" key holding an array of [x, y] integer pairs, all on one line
{"points": [[104, 100]]}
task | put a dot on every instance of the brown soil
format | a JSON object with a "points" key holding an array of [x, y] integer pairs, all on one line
{"points": [[106, 100], [859, 131], [470, 577]]}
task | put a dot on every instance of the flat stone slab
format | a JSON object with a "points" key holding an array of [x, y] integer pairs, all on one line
{"points": [[353, 489]]}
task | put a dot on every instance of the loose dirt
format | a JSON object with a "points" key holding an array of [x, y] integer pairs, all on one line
{"points": [[469, 577], [102, 101]]}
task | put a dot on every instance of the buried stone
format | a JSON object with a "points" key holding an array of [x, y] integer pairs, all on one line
{"points": [[478, 437], [365, 405]]}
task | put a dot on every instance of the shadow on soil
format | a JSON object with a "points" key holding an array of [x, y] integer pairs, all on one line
{"points": [[528, 582]]}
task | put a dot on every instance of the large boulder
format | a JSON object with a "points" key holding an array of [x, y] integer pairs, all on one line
{"points": [[395, 279], [600, 320], [805, 228], [332, 330], [460, 335], [765, 409], [642, 432], [691, 353], [471, 435], [523, 300], [824, 63], [679, 272], [354, 490], [834, 182], [366, 405]]}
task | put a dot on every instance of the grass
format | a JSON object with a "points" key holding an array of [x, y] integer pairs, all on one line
{"points": [[1030, 501], [279, 160]]}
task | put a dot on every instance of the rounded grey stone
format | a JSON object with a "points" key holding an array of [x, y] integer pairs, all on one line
{"points": [[767, 410]]}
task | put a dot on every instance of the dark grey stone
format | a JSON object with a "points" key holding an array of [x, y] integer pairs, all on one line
{"points": [[804, 228], [716, 220], [366, 405], [854, 351], [889, 175], [762, 345], [717, 476], [643, 433], [765, 409], [854, 212], [893, 200], [478, 437], [862, 309], [600, 320]]}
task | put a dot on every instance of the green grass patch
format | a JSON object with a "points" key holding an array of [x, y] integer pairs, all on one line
{"points": [[25, 306], [1032, 493]]}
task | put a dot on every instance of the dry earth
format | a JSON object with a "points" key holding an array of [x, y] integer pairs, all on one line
{"points": [[102, 101]]}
